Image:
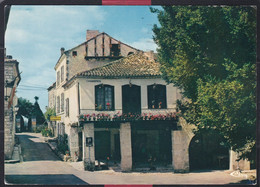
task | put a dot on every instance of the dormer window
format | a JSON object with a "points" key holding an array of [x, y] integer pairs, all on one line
{"points": [[74, 53], [115, 50]]}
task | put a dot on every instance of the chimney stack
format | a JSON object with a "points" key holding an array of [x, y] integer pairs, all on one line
{"points": [[9, 57], [91, 34], [62, 50]]}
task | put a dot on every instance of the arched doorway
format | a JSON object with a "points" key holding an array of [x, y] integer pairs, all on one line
{"points": [[208, 151], [131, 99]]}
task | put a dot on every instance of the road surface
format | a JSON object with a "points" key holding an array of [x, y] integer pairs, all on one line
{"points": [[42, 166]]}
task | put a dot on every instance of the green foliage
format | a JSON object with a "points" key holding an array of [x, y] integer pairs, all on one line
{"points": [[63, 144], [49, 112], [25, 107], [210, 53], [37, 112], [39, 129], [47, 132], [29, 110]]}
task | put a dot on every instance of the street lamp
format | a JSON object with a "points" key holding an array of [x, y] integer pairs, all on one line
{"points": [[16, 108], [7, 85]]}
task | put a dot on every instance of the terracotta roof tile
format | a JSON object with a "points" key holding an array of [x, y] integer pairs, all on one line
{"points": [[135, 65]]}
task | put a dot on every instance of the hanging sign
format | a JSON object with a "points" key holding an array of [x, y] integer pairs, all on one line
{"points": [[89, 141], [55, 118]]}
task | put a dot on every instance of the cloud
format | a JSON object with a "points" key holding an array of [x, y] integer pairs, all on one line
{"points": [[145, 44], [35, 35]]}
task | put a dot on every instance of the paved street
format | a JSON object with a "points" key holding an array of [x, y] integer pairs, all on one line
{"points": [[42, 166]]}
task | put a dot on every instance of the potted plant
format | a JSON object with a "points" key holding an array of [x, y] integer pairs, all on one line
{"points": [[67, 153]]}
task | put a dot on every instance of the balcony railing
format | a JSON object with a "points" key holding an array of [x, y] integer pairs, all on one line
{"points": [[128, 117]]}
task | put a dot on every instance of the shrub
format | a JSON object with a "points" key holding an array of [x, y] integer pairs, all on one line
{"points": [[47, 132]]}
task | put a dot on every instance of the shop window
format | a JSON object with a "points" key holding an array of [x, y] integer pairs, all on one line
{"points": [[104, 97], [157, 96]]}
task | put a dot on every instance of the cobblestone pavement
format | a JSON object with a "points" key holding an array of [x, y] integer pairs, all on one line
{"points": [[42, 166]]}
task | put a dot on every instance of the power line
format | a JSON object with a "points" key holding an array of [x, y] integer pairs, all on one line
{"points": [[32, 86], [35, 89]]}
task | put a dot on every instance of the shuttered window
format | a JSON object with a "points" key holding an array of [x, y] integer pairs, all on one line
{"points": [[104, 97], [157, 96], [67, 107], [62, 102], [58, 104]]}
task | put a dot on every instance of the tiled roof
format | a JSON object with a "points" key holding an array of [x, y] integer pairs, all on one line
{"points": [[132, 66], [52, 86]]}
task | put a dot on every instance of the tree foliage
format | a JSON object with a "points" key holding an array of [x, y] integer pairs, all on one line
{"points": [[49, 112], [37, 112], [210, 53], [29, 110], [25, 107]]}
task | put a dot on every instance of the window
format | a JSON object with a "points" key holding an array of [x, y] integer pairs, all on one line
{"points": [[115, 50], [157, 96], [58, 78], [58, 104], [67, 107], [104, 97], [62, 102], [62, 73], [74, 53]]}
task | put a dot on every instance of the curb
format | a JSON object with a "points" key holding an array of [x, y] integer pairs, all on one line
{"points": [[55, 151]]}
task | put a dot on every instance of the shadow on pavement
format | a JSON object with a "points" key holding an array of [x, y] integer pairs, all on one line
{"points": [[33, 149], [43, 179]]}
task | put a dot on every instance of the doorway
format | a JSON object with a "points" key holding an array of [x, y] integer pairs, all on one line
{"points": [[80, 145], [131, 99], [102, 145], [208, 151]]}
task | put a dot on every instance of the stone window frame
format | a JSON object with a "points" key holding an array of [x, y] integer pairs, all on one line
{"points": [[156, 96], [104, 94], [62, 103]]}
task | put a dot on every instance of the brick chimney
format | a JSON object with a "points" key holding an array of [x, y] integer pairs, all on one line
{"points": [[62, 50], [92, 34]]}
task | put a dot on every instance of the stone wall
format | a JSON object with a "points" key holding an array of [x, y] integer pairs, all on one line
{"points": [[180, 147], [242, 164], [11, 71], [9, 132], [88, 152], [74, 143], [126, 146]]}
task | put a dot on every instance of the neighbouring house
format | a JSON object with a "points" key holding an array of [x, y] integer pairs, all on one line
{"points": [[114, 105], [12, 79]]}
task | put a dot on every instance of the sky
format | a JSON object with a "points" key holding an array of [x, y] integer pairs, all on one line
{"points": [[35, 34]]}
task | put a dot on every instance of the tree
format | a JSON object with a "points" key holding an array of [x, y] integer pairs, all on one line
{"points": [[25, 107], [29, 110], [37, 112], [209, 53], [49, 112]]}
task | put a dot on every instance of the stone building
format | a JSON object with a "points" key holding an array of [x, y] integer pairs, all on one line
{"points": [[12, 79], [115, 105]]}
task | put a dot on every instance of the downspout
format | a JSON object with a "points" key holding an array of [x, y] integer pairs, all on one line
{"points": [[78, 95], [78, 99]]}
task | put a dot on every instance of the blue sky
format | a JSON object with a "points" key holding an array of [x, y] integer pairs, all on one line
{"points": [[35, 35]]}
